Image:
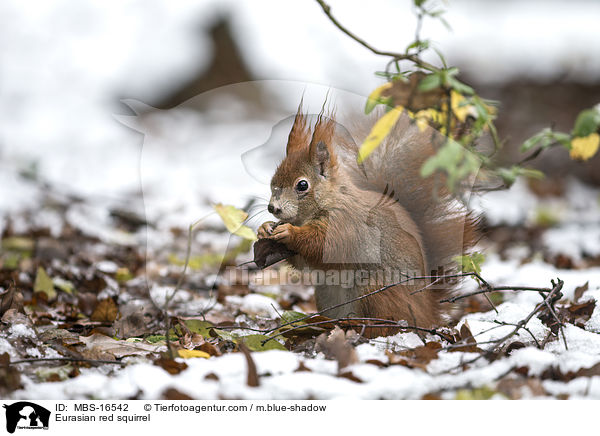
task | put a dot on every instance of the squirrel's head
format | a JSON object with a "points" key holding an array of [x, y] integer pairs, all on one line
{"points": [[304, 178]]}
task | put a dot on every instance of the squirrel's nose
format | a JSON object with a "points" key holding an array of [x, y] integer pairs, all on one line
{"points": [[274, 210]]}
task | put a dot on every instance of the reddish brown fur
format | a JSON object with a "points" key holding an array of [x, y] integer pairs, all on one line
{"points": [[340, 217], [299, 136]]}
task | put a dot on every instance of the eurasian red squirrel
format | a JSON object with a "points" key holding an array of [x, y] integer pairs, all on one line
{"points": [[379, 218]]}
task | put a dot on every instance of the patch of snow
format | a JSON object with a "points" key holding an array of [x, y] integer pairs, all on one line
{"points": [[16, 193], [6, 347], [106, 266], [33, 352], [577, 340], [95, 221], [485, 328], [159, 295], [256, 304], [50, 219], [511, 207], [573, 240], [17, 331], [579, 388], [398, 341]]}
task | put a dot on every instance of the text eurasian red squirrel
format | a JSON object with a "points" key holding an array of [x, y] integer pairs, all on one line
{"points": [[378, 218]]}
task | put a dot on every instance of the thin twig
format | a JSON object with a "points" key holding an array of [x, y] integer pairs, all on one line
{"points": [[397, 56], [180, 282], [552, 295], [493, 289], [382, 289], [376, 323], [558, 321]]}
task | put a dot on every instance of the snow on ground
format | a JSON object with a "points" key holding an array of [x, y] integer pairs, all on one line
{"points": [[181, 199], [59, 126], [281, 380]]}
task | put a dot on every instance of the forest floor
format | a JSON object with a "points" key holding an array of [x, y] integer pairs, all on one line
{"points": [[84, 287]]}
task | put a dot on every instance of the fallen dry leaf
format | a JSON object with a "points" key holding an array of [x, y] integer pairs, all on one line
{"points": [[252, 379], [350, 376], [173, 394], [170, 365], [106, 311], [337, 346], [579, 290], [119, 348], [513, 388], [417, 357]]}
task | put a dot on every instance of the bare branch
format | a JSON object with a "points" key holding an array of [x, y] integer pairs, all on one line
{"points": [[397, 56]]}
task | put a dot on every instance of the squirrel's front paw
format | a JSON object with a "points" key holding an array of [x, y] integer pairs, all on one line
{"points": [[283, 233], [265, 230]]}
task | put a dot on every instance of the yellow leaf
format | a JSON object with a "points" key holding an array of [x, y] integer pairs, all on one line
{"points": [[378, 133], [43, 283], [234, 218], [586, 147], [188, 354], [423, 116], [422, 124], [246, 233], [374, 96], [460, 109]]}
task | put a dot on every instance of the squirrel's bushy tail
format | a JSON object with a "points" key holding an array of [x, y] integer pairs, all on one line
{"points": [[447, 228]]}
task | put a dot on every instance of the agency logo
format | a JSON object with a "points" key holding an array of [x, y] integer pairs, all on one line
{"points": [[26, 415]]}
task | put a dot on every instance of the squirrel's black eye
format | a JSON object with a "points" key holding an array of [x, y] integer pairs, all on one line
{"points": [[302, 185]]}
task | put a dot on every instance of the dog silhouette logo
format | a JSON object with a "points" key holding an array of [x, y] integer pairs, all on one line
{"points": [[26, 415]]}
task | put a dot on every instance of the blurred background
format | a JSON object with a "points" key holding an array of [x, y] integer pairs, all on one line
{"points": [[85, 84]]}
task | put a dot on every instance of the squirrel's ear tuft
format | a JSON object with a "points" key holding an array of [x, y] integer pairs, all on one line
{"points": [[321, 153], [299, 136]]}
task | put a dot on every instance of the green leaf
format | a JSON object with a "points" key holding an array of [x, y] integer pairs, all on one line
{"points": [[546, 217], [533, 141], [198, 326], [547, 138], [470, 263], [482, 393], [153, 339], [431, 81], [223, 334], [254, 343], [509, 175], [460, 87], [64, 285], [17, 243], [123, 275], [562, 138], [454, 160], [291, 316], [452, 71], [419, 45], [587, 122], [43, 283], [441, 56]]}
